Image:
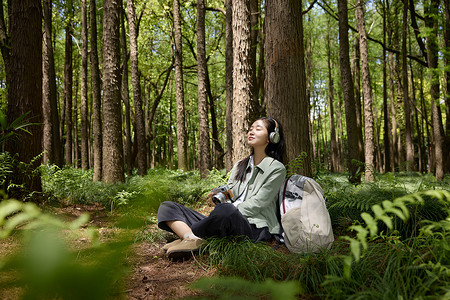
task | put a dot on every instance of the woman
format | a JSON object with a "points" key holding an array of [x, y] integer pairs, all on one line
{"points": [[254, 181]]}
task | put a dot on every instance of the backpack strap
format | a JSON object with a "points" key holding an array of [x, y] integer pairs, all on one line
{"points": [[284, 195]]}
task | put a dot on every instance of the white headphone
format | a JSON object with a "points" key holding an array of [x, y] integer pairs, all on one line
{"points": [[274, 137]]}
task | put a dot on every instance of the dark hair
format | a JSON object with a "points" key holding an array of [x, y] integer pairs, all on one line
{"points": [[275, 151]]}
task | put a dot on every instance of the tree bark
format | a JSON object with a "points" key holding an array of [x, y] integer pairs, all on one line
{"points": [[285, 69], [68, 83], [349, 98], [229, 85], [84, 88], [369, 144], [25, 84], [135, 81], [242, 73], [358, 106], [113, 170], [181, 111], [51, 138], [431, 13], [96, 95], [204, 152]]}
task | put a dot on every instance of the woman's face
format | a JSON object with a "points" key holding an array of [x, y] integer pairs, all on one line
{"points": [[258, 136]]}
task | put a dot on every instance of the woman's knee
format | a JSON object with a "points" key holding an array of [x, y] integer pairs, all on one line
{"points": [[224, 210]]}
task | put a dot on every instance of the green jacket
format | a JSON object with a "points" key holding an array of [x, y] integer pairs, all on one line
{"points": [[261, 201]]}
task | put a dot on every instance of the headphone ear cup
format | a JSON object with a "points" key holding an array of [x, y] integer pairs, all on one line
{"points": [[274, 137]]}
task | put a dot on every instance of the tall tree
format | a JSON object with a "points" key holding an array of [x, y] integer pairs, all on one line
{"points": [[285, 69], [369, 145], [84, 87], [406, 101], [51, 139], [447, 82], [204, 152], [181, 110], [431, 22], [135, 81], [113, 170], [96, 95], [386, 136], [333, 137], [25, 82], [229, 84], [126, 96], [349, 97], [241, 77], [68, 83]]}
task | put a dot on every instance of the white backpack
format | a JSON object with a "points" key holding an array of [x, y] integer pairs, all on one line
{"points": [[304, 216]]}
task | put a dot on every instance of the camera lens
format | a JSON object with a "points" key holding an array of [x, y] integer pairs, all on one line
{"points": [[218, 198]]}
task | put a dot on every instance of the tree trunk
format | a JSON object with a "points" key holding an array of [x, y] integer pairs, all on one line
{"points": [[242, 73], [204, 152], [386, 136], [229, 85], [349, 98], [25, 84], [135, 81], [255, 107], [218, 150], [126, 97], [96, 95], [68, 83], [409, 144], [113, 170], [84, 88], [181, 111], [333, 139], [51, 138], [369, 144], [446, 54], [358, 106], [285, 69], [431, 13]]}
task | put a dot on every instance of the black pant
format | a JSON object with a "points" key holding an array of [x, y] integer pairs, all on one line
{"points": [[224, 220]]}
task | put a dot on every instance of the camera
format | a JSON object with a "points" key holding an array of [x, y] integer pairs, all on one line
{"points": [[221, 194]]}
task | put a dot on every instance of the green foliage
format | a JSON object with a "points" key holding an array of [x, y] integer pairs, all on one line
{"points": [[295, 166], [15, 128], [238, 288]]}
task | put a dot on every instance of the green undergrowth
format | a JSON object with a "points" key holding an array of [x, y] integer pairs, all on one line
{"points": [[392, 238]]}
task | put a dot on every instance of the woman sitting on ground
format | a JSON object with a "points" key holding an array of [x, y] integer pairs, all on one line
{"points": [[254, 181]]}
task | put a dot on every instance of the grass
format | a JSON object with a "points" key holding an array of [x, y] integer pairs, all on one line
{"points": [[411, 260]]}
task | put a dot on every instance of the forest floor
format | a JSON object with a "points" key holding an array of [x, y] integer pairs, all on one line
{"points": [[151, 274]]}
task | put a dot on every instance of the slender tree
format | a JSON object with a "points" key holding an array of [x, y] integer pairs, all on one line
{"points": [[369, 145], [349, 98], [204, 152], [446, 53], [126, 96], [68, 83], [285, 67], [135, 81], [181, 111], [25, 83], [96, 95], [84, 87], [431, 15], [51, 137], [386, 136], [406, 101], [113, 170]]}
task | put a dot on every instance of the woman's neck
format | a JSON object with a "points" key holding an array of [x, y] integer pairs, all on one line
{"points": [[258, 155]]}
